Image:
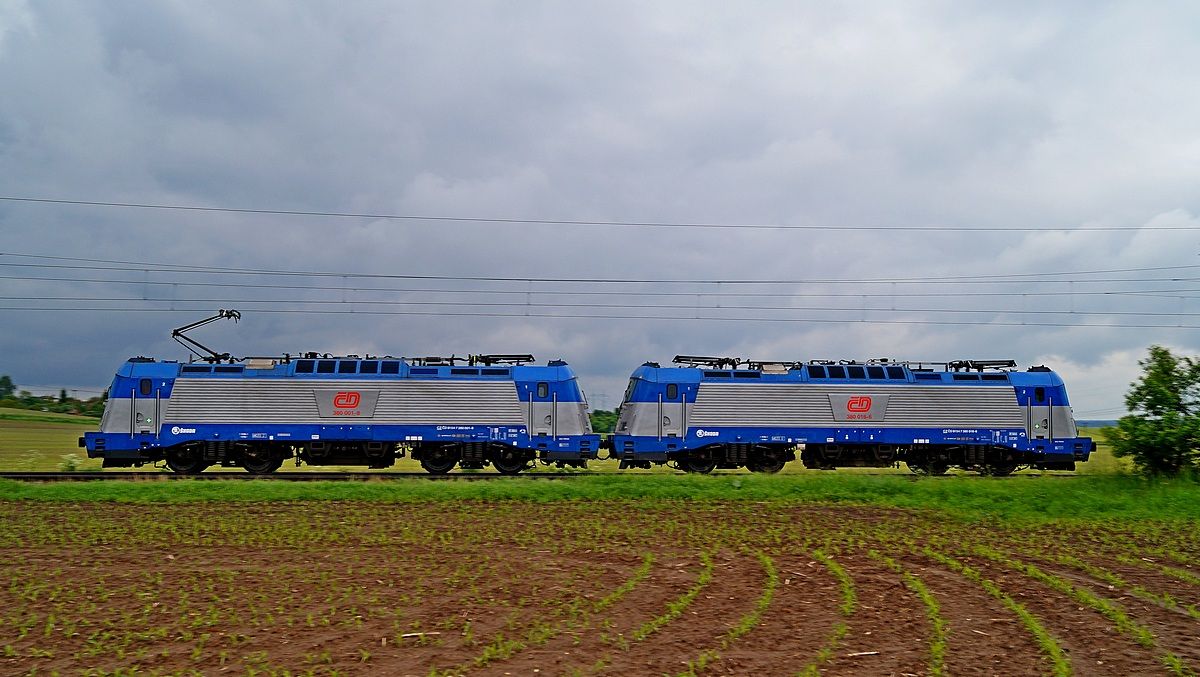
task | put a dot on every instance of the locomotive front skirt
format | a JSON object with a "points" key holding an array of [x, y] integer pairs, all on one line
{"points": [[343, 411]]}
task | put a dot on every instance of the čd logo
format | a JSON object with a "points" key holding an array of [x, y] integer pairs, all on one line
{"points": [[859, 403], [350, 399]]}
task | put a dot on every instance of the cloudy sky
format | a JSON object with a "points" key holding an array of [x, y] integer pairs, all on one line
{"points": [[955, 180]]}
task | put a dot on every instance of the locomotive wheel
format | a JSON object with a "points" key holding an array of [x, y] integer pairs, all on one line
{"points": [[186, 460], [1000, 469], [260, 462], [439, 462], [932, 468], [509, 463], [769, 463], [697, 465]]}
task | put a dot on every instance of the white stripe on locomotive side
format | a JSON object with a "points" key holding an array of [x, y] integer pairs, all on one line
{"points": [[789, 404], [283, 401]]}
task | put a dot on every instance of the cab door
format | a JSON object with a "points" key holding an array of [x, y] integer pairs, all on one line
{"points": [[145, 407], [543, 410], [671, 411], [1038, 415]]}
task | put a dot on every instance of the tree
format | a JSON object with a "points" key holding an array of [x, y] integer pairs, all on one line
{"points": [[604, 421], [7, 388], [1162, 434]]}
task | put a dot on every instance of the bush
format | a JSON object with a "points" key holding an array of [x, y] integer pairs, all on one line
{"points": [[1162, 435]]}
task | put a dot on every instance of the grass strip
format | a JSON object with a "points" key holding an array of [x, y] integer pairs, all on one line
{"points": [[1060, 666], [1021, 499], [1105, 607], [745, 624], [30, 416], [848, 606], [933, 611]]}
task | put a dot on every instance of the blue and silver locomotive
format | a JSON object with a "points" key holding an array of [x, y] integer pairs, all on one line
{"points": [[256, 413], [979, 415]]}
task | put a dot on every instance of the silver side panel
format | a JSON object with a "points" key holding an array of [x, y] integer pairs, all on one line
{"points": [[574, 420], [1042, 427], [558, 418], [295, 401], [642, 419], [1064, 423], [786, 404], [116, 415]]}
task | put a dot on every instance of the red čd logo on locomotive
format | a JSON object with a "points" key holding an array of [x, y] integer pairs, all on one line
{"points": [[347, 399], [858, 403]]}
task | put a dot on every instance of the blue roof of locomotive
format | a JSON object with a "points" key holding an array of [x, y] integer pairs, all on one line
{"points": [[145, 368], [657, 374]]}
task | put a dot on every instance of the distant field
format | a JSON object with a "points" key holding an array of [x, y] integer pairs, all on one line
{"points": [[42, 441], [35, 440]]}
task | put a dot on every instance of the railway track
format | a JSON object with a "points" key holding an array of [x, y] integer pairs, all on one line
{"points": [[155, 476], [152, 476]]}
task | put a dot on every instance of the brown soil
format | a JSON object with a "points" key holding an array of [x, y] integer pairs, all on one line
{"points": [[519, 589]]}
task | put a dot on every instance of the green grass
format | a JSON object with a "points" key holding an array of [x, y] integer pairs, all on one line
{"points": [[1014, 499], [10, 414], [1102, 461], [36, 440]]}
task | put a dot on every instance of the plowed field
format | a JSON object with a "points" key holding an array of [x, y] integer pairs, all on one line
{"points": [[581, 588]]}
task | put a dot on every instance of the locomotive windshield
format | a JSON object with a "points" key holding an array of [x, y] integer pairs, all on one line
{"points": [[629, 390]]}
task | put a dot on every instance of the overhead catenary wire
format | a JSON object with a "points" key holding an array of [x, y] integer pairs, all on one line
{"points": [[437, 218], [1167, 293], [192, 268], [1023, 278], [552, 298], [622, 306], [690, 318]]}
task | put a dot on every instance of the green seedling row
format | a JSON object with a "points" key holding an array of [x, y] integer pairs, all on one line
{"points": [[745, 624], [1106, 607], [1060, 666], [847, 608], [933, 611]]}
